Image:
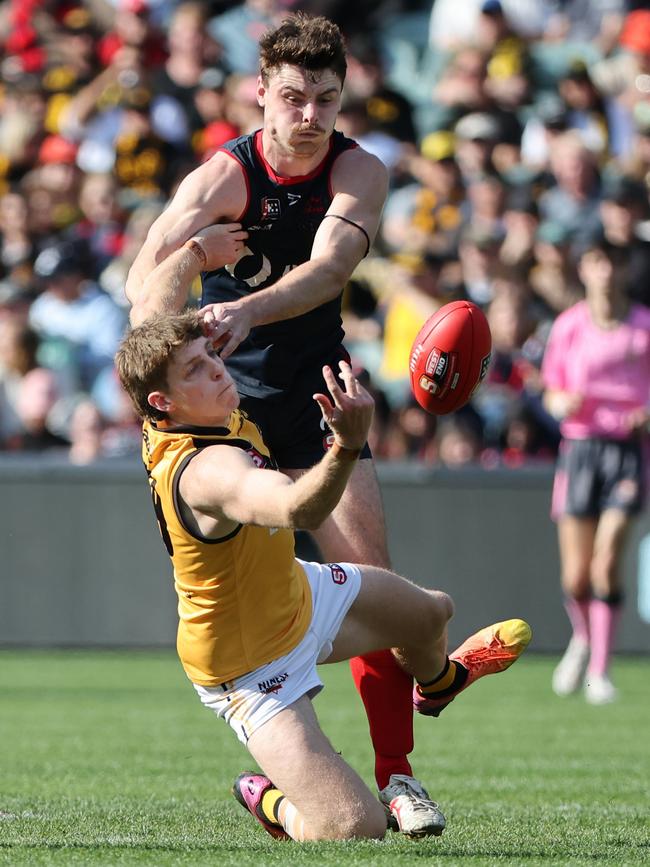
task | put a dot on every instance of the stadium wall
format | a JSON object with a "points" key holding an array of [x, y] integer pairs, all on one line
{"points": [[82, 563]]}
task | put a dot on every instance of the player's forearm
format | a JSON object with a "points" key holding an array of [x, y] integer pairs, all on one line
{"points": [[315, 495], [166, 288], [306, 287]]}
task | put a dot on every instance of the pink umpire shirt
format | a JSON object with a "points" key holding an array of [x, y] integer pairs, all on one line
{"points": [[609, 368]]}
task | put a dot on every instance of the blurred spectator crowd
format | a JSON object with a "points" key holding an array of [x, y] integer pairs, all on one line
{"points": [[514, 131]]}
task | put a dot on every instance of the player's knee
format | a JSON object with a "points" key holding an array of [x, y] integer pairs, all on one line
{"points": [[445, 604], [440, 609], [356, 822]]}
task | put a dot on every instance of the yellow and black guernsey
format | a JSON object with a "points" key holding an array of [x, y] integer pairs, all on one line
{"points": [[243, 600]]}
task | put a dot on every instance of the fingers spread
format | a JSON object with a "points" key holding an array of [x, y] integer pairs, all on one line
{"points": [[348, 378]]}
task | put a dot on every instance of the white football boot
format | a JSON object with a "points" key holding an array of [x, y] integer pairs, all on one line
{"points": [[599, 689], [410, 809], [567, 677]]}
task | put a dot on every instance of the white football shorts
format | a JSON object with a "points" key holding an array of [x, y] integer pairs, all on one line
{"points": [[249, 701]]}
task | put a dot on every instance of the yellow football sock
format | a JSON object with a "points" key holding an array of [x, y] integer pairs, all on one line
{"points": [[453, 675], [270, 805]]}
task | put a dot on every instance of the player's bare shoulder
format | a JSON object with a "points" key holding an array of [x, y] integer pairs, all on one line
{"points": [[218, 185], [357, 170]]}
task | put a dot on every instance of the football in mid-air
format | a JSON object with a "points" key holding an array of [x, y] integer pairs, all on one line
{"points": [[450, 357]]}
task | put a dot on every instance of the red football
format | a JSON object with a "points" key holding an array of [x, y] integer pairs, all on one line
{"points": [[450, 357]]}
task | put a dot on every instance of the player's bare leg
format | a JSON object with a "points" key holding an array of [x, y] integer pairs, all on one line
{"points": [[315, 794], [413, 621], [356, 533]]}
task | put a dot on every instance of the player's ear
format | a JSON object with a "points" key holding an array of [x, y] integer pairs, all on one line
{"points": [[159, 401], [261, 90]]}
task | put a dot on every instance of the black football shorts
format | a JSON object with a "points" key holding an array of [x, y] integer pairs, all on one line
{"points": [[291, 423], [596, 474]]}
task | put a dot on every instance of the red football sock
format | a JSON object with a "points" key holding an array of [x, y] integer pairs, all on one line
{"points": [[387, 694]]}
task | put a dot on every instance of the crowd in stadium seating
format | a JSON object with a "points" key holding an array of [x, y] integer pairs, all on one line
{"points": [[514, 130]]}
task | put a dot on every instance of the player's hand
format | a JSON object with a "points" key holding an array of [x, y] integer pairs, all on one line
{"points": [[227, 324], [222, 243], [350, 409]]}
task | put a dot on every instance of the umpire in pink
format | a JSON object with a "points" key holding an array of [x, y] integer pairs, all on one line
{"points": [[596, 373]]}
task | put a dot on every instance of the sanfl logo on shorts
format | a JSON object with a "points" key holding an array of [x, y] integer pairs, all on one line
{"points": [[338, 575]]}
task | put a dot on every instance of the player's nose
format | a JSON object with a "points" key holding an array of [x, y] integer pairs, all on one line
{"points": [[309, 112], [218, 367]]}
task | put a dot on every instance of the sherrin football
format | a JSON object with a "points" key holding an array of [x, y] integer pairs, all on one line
{"points": [[450, 357]]}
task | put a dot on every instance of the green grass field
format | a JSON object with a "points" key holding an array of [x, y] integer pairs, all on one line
{"points": [[109, 758]]}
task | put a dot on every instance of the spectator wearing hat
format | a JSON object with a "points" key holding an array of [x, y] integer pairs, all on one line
{"points": [[79, 325], [478, 253], [355, 122], [624, 207], [586, 111], [15, 301], [477, 134], [52, 187], [424, 216], [520, 223]]}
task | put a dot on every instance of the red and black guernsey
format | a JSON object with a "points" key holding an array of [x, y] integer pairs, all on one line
{"points": [[282, 216]]}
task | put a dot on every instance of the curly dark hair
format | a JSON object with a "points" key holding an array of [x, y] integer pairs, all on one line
{"points": [[313, 42]]}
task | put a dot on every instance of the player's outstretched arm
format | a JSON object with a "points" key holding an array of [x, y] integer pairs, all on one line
{"points": [[214, 193], [166, 289], [359, 181], [223, 482]]}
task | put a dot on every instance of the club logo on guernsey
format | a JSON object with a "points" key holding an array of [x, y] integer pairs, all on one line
{"points": [[271, 209], [273, 684], [258, 459], [338, 575]]}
